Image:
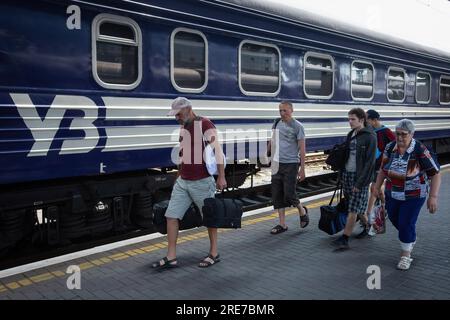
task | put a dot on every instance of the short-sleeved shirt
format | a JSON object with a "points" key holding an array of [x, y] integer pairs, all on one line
{"points": [[285, 141], [384, 136], [192, 165], [407, 174]]}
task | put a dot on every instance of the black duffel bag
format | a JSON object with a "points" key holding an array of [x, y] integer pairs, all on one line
{"points": [[222, 213], [191, 219], [333, 218]]}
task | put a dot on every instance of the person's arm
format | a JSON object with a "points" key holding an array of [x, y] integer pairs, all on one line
{"points": [[435, 183], [302, 147], [221, 182], [269, 143], [428, 164], [380, 179], [369, 167]]}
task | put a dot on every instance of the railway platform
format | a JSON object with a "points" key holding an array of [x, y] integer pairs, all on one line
{"points": [[297, 264]]}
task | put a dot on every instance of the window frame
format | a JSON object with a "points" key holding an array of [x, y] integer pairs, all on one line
{"points": [[404, 84], [95, 33], [429, 88], [252, 93], [333, 71], [172, 58], [373, 80], [439, 93]]}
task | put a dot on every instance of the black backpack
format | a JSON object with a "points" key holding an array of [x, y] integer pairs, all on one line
{"points": [[338, 156]]}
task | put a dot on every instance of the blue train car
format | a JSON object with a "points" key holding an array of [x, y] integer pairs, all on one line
{"points": [[85, 87]]}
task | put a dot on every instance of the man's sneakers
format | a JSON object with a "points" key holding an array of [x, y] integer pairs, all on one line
{"points": [[404, 263], [341, 243]]}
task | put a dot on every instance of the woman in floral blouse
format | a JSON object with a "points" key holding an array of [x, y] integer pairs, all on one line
{"points": [[407, 166]]}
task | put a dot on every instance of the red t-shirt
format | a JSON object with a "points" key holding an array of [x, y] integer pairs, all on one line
{"points": [[192, 147]]}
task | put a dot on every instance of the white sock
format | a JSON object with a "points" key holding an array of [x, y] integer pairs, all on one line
{"points": [[407, 246]]}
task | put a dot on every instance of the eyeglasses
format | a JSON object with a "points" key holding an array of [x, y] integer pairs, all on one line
{"points": [[403, 134]]}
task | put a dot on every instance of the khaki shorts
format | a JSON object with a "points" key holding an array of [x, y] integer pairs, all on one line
{"points": [[185, 192]]}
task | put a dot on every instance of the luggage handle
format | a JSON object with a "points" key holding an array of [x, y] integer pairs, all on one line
{"points": [[339, 187]]}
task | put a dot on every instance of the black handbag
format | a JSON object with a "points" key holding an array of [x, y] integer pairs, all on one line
{"points": [[220, 212], [191, 219], [333, 218]]}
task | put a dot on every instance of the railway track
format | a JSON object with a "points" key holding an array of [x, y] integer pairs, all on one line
{"points": [[315, 158]]}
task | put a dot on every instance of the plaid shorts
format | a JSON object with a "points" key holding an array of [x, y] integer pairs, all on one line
{"points": [[357, 201]]}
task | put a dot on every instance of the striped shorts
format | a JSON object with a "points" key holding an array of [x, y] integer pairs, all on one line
{"points": [[357, 201]]}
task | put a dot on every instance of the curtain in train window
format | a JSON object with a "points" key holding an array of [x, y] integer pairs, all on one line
{"points": [[260, 70], [318, 77], [396, 85], [117, 53], [189, 61], [362, 81], [444, 91], [423, 83]]}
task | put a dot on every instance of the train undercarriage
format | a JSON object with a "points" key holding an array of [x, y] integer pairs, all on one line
{"points": [[59, 212]]}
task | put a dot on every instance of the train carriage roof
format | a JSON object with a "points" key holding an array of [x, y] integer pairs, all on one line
{"points": [[309, 18]]}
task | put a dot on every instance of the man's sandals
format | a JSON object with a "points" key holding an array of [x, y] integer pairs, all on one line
{"points": [[278, 229], [165, 263], [304, 220], [208, 261]]}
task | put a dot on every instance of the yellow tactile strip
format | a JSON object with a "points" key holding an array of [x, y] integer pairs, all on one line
{"points": [[28, 280]]}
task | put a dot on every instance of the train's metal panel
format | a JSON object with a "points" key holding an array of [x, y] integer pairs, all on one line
{"points": [[56, 121]]}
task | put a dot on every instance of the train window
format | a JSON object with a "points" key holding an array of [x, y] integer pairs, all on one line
{"points": [[423, 87], [318, 77], [189, 60], [396, 85], [116, 52], [444, 90], [259, 66], [362, 80]]}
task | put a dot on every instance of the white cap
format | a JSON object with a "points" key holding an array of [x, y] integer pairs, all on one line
{"points": [[178, 104]]}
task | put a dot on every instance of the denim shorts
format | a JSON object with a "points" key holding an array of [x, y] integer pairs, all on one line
{"points": [[185, 192]]}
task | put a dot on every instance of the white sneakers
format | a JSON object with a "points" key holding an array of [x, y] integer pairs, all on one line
{"points": [[404, 263]]}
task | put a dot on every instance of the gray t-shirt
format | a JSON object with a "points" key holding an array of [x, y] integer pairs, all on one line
{"points": [[285, 141], [350, 166]]}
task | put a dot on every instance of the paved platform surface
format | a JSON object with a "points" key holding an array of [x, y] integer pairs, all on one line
{"points": [[297, 264]]}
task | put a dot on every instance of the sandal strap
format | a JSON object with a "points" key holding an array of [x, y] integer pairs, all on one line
{"points": [[209, 260], [211, 256], [166, 261]]}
